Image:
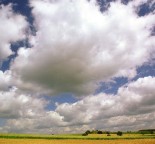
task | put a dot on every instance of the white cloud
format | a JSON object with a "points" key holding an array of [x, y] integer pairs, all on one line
{"points": [[5, 78], [26, 113], [44, 122], [76, 46], [138, 2], [15, 105], [133, 122], [12, 27], [132, 108]]}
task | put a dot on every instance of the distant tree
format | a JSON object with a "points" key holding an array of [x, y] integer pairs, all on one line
{"points": [[84, 134], [119, 133], [99, 132], [151, 132], [142, 132], [147, 131], [108, 133], [88, 132], [94, 131]]}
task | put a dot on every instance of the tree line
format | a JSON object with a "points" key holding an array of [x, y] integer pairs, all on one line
{"points": [[119, 133]]}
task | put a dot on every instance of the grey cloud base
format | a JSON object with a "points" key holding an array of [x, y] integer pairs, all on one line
{"points": [[76, 46]]}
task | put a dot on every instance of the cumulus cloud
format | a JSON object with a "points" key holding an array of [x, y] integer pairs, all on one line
{"points": [[12, 27], [5, 78], [141, 2], [45, 122], [133, 105], [76, 46], [132, 108], [15, 105], [26, 113]]}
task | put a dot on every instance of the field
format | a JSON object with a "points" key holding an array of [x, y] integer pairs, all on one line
{"points": [[35, 141], [77, 139], [78, 136]]}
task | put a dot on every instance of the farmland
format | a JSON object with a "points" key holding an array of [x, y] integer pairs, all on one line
{"points": [[77, 139], [78, 136], [36, 141]]}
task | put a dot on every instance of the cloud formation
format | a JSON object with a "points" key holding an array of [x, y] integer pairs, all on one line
{"points": [[133, 99], [76, 46], [5, 78], [26, 113], [131, 108], [12, 28], [15, 105]]}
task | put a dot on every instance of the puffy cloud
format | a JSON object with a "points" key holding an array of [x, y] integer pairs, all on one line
{"points": [[45, 122], [131, 122], [132, 108], [15, 105], [26, 113], [76, 46], [140, 96], [12, 27], [141, 2], [147, 4], [5, 78]]}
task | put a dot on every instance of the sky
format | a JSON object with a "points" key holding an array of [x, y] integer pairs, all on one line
{"points": [[68, 66]]}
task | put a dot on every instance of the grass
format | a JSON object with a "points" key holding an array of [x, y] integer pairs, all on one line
{"points": [[77, 136]]}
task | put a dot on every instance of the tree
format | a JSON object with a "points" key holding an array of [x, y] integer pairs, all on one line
{"points": [[99, 132], [88, 132], [151, 132], [84, 134], [119, 133], [108, 133]]}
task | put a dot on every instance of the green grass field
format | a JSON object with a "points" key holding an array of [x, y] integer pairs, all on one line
{"points": [[78, 136]]}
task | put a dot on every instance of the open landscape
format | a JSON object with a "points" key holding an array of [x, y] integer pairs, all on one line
{"points": [[77, 71], [77, 139], [77, 136]]}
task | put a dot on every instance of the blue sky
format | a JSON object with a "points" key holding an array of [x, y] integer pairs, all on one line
{"points": [[62, 61]]}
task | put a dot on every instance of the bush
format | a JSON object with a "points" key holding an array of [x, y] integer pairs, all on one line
{"points": [[119, 133], [88, 132], [85, 134], [99, 132], [151, 132], [108, 133]]}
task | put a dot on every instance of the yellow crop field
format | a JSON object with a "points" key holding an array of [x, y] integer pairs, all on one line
{"points": [[37, 141]]}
